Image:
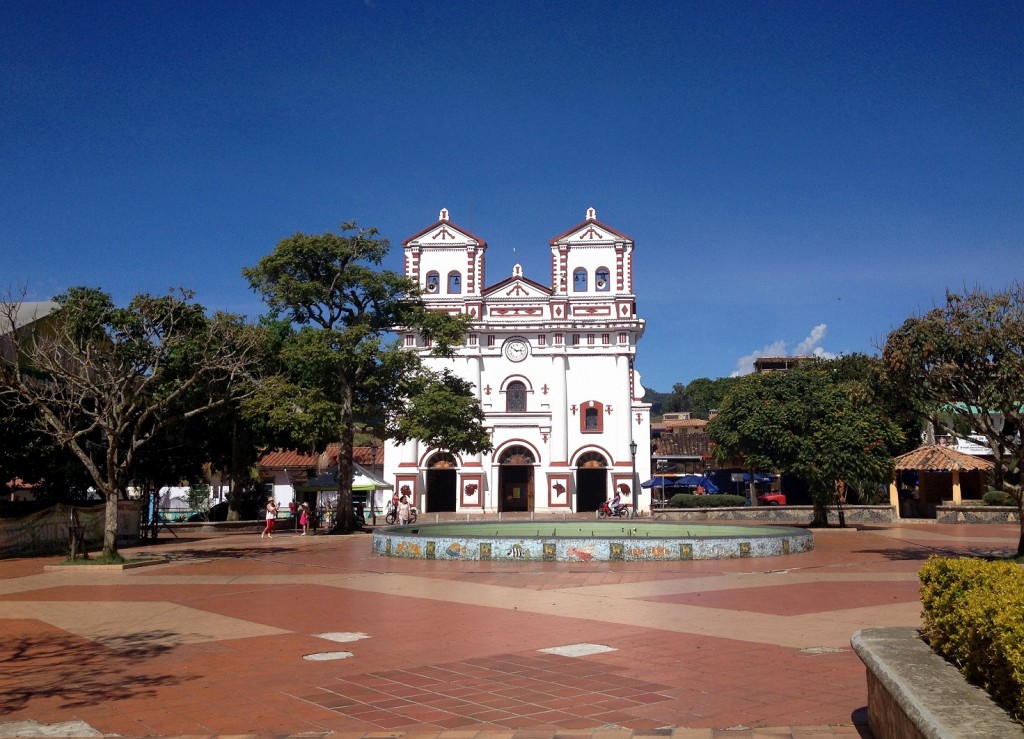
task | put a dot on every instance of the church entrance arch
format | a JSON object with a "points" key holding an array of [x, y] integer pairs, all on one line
{"points": [[591, 481], [515, 479], [441, 483]]}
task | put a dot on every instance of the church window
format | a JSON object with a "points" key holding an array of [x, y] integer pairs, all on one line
{"points": [[542, 339], [606, 339], [592, 417], [558, 339], [602, 282], [490, 340], [454, 283], [579, 280], [433, 282], [515, 397]]}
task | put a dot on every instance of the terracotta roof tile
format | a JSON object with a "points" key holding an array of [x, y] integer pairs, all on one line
{"points": [[288, 459], [681, 445], [686, 423], [938, 457], [291, 459]]}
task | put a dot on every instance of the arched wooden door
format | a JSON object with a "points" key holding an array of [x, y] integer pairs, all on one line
{"points": [[515, 480]]}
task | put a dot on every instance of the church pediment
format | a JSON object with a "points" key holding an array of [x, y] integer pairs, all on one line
{"points": [[591, 231], [444, 233], [517, 287]]}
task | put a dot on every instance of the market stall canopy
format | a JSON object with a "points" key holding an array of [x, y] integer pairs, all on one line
{"points": [[362, 480]]}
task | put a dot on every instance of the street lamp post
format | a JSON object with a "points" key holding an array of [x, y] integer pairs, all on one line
{"points": [[632, 453]]}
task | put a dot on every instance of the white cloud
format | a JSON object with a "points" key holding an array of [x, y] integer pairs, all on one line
{"points": [[811, 346]]}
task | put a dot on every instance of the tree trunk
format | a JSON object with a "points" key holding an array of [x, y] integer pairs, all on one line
{"points": [[820, 519], [235, 489], [110, 526], [345, 521]]}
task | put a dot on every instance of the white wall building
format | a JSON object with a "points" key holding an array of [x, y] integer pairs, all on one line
{"points": [[553, 369]]}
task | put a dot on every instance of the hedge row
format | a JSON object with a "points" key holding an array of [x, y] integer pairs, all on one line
{"points": [[974, 617], [998, 497], [689, 500]]}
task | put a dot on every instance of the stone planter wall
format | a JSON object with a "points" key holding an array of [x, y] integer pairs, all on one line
{"points": [[799, 515], [915, 693], [949, 513]]}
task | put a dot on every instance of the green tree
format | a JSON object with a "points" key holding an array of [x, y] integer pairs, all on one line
{"points": [[104, 381], [343, 365], [699, 397], [812, 423], [965, 361], [706, 395]]}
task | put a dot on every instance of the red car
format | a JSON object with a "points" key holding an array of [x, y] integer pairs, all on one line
{"points": [[771, 499]]}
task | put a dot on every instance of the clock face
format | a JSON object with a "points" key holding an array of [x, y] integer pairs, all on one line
{"points": [[516, 350]]}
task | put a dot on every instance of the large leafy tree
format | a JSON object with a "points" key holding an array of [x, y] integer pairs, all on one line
{"points": [[811, 422], [964, 360], [342, 364], [104, 381]]}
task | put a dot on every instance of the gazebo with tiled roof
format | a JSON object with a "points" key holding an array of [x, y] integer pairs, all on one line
{"points": [[933, 463]]}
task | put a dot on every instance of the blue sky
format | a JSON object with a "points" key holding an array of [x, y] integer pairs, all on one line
{"points": [[798, 177]]}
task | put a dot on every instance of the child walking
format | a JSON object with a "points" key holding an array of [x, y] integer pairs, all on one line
{"points": [[271, 517], [304, 519]]}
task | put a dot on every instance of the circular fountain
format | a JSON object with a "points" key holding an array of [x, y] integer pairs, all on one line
{"points": [[587, 541]]}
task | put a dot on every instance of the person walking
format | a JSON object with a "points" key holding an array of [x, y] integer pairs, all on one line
{"points": [[404, 511], [268, 530], [304, 519]]}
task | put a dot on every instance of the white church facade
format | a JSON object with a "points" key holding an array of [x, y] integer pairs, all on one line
{"points": [[553, 367]]}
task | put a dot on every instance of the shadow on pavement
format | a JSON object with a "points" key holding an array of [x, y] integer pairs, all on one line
{"points": [[79, 673]]}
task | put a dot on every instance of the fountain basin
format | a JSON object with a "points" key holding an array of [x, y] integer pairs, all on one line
{"points": [[583, 541]]}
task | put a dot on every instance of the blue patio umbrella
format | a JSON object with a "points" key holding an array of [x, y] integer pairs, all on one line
{"points": [[659, 481], [690, 481]]}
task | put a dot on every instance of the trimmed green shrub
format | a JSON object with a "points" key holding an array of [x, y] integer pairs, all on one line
{"points": [[999, 497], [974, 617], [689, 500]]}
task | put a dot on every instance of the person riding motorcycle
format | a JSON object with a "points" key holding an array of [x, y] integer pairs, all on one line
{"points": [[615, 503]]}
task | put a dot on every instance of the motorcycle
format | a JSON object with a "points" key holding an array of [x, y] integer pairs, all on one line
{"points": [[605, 511], [392, 514]]}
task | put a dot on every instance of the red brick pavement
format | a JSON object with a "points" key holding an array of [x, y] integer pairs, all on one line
{"points": [[213, 642]]}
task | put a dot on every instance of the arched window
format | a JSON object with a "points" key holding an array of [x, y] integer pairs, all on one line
{"points": [[433, 282], [516, 455], [602, 281], [579, 280], [592, 417], [515, 397], [454, 283], [592, 461], [442, 461]]}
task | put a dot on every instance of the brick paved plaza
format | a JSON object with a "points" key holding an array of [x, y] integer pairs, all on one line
{"points": [[313, 635]]}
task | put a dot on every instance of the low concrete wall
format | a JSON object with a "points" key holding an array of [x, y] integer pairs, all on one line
{"points": [[948, 513], [791, 514], [46, 531], [914, 693]]}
